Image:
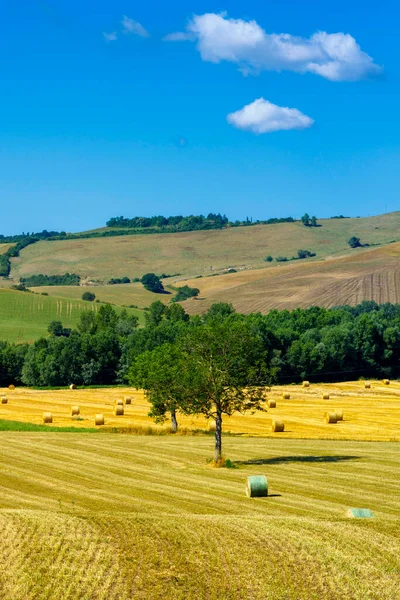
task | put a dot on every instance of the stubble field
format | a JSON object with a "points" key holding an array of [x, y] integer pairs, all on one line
{"points": [[116, 516]]}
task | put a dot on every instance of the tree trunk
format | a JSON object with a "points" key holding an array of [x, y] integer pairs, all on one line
{"points": [[218, 438], [174, 422]]}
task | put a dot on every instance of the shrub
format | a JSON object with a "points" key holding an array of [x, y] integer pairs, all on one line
{"points": [[115, 280], [88, 296], [152, 283], [268, 258], [281, 259], [354, 242], [304, 253], [184, 293]]}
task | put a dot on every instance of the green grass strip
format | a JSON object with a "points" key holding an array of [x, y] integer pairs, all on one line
{"points": [[18, 426]]}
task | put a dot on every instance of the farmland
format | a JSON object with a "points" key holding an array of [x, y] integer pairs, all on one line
{"points": [[120, 517], [25, 316], [199, 252], [369, 414]]}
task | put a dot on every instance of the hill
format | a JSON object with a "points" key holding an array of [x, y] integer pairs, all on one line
{"points": [[199, 252], [372, 274], [116, 517], [25, 317]]}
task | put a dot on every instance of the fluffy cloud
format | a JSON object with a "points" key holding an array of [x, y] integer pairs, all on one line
{"points": [[131, 26], [110, 37], [335, 56], [262, 116]]}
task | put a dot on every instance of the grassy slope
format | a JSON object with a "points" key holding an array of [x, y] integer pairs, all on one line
{"points": [[25, 317], [368, 414], [194, 253], [124, 294], [371, 274], [121, 517]]}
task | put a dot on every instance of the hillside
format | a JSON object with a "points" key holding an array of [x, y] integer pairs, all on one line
{"points": [[117, 517], [362, 275], [25, 317], [199, 252]]}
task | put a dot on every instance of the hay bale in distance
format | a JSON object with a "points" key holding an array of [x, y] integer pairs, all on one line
{"points": [[306, 384], [339, 414], [72, 386], [47, 417], [11, 387], [278, 426], [359, 513], [119, 402], [128, 400], [118, 410], [4, 399], [330, 417], [367, 385], [286, 396], [386, 381], [325, 396], [99, 419], [212, 426], [75, 410], [271, 403], [257, 486]]}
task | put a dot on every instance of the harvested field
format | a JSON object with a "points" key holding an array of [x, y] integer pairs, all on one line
{"points": [[368, 414], [373, 274], [197, 252], [130, 517]]}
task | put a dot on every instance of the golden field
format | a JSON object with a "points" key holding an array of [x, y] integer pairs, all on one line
{"points": [[369, 414]]}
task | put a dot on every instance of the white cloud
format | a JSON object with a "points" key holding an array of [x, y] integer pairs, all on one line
{"points": [[110, 37], [131, 26], [336, 56], [180, 36], [262, 116]]}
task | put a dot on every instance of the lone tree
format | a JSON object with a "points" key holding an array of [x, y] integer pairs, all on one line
{"points": [[214, 370], [152, 283], [88, 296], [354, 242]]}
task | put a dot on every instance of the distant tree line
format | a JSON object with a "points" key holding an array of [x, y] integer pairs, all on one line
{"points": [[314, 343], [40, 280]]}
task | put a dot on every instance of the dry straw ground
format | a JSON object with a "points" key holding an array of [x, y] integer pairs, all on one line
{"points": [[122, 517], [369, 414], [110, 516]]}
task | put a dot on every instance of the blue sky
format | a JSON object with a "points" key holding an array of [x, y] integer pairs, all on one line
{"points": [[93, 127]]}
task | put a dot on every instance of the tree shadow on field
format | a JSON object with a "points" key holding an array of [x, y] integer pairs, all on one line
{"points": [[290, 459]]}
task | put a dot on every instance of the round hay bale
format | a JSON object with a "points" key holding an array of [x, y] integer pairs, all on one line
{"points": [[257, 486], [306, 384], [367, 385], [267, 389], [330, 417], [75, 410], [325, 396], [119, 402], [47, 417], [11, 387], [72, 386], [271, 403], [386, 381], [339, 414], [286, 396], [118, 410], [99, 420], [128, 400], [4, 399], [278, 426], [212, 426]]}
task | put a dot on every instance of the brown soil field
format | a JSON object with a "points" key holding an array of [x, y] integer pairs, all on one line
{"points": [[373, 274]]}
